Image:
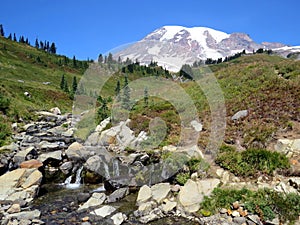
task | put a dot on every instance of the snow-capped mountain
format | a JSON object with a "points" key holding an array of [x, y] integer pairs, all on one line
{"points": [[173, 46]]}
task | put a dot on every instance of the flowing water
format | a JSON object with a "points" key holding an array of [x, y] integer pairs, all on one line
{"points": [[58, 203]]}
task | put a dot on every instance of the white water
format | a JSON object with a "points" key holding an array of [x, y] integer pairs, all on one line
{"points": [[106, 168], [77, 182], [116, 171]]}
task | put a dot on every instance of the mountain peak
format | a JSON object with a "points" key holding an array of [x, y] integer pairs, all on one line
{"points": [[173, 46]]}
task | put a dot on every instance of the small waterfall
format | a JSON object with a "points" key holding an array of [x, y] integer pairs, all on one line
{"points": [[78, 175], [116, 170], [106, 169], [68, 180], [77, 182]]}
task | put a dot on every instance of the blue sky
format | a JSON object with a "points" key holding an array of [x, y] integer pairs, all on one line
{"points": [[85, 28]]}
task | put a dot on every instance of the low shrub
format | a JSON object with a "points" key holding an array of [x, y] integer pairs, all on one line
{"points": [[251, 162], [266, 203]]}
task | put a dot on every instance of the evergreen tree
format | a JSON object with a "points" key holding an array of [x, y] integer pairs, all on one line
{"points": [[110, 58], [41, 45], [9, 37], [74, 62], [117, 90], [126, 95], [37, 45], [27, 41], [186, 71], [1, 30], [119, 60], [21, 39], [100, 58], [102, 112], [47, 48], [62, 82], [66, 87], [15, 38], [146, 97], [52, 49], [74, 85], [66, 60]]}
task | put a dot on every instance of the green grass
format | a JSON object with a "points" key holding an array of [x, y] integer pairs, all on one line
{"points": [[20, 71]]}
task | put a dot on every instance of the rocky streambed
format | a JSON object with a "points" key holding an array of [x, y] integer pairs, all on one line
{"points": [[49, 177]]}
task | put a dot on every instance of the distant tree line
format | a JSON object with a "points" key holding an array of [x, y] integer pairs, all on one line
{"points": [[46, 46]]}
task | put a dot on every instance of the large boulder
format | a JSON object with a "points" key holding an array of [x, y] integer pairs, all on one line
{"points": [[20, 184], [160, 191], [77, 151], [144, 194], [56, 155], [192, 193]]}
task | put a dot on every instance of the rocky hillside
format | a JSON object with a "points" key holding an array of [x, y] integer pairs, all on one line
{"points": [[30, 80]]}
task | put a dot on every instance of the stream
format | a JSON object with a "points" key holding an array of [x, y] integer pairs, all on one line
{"points": [[59, 203]]}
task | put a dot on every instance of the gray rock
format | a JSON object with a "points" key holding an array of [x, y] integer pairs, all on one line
{"points": [[199, 189], [94, 164], [11, 147], [145, 208], [239, 115], [160, 191], [168, 206], [117, 195], [21, 155], [144, 195], [48, 146], [29, 215], [77, 151], [30, 128], [104, 211], [153, 215], [82, 197], [102, 125], [196, 125], [55, 111], [15, 208], [66, 167], [118, 218], [96, 199], [56, 155], [255, 219]]}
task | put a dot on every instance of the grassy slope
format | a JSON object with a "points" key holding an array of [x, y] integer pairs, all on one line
{"points": [[267, 86], [20, 62]]}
